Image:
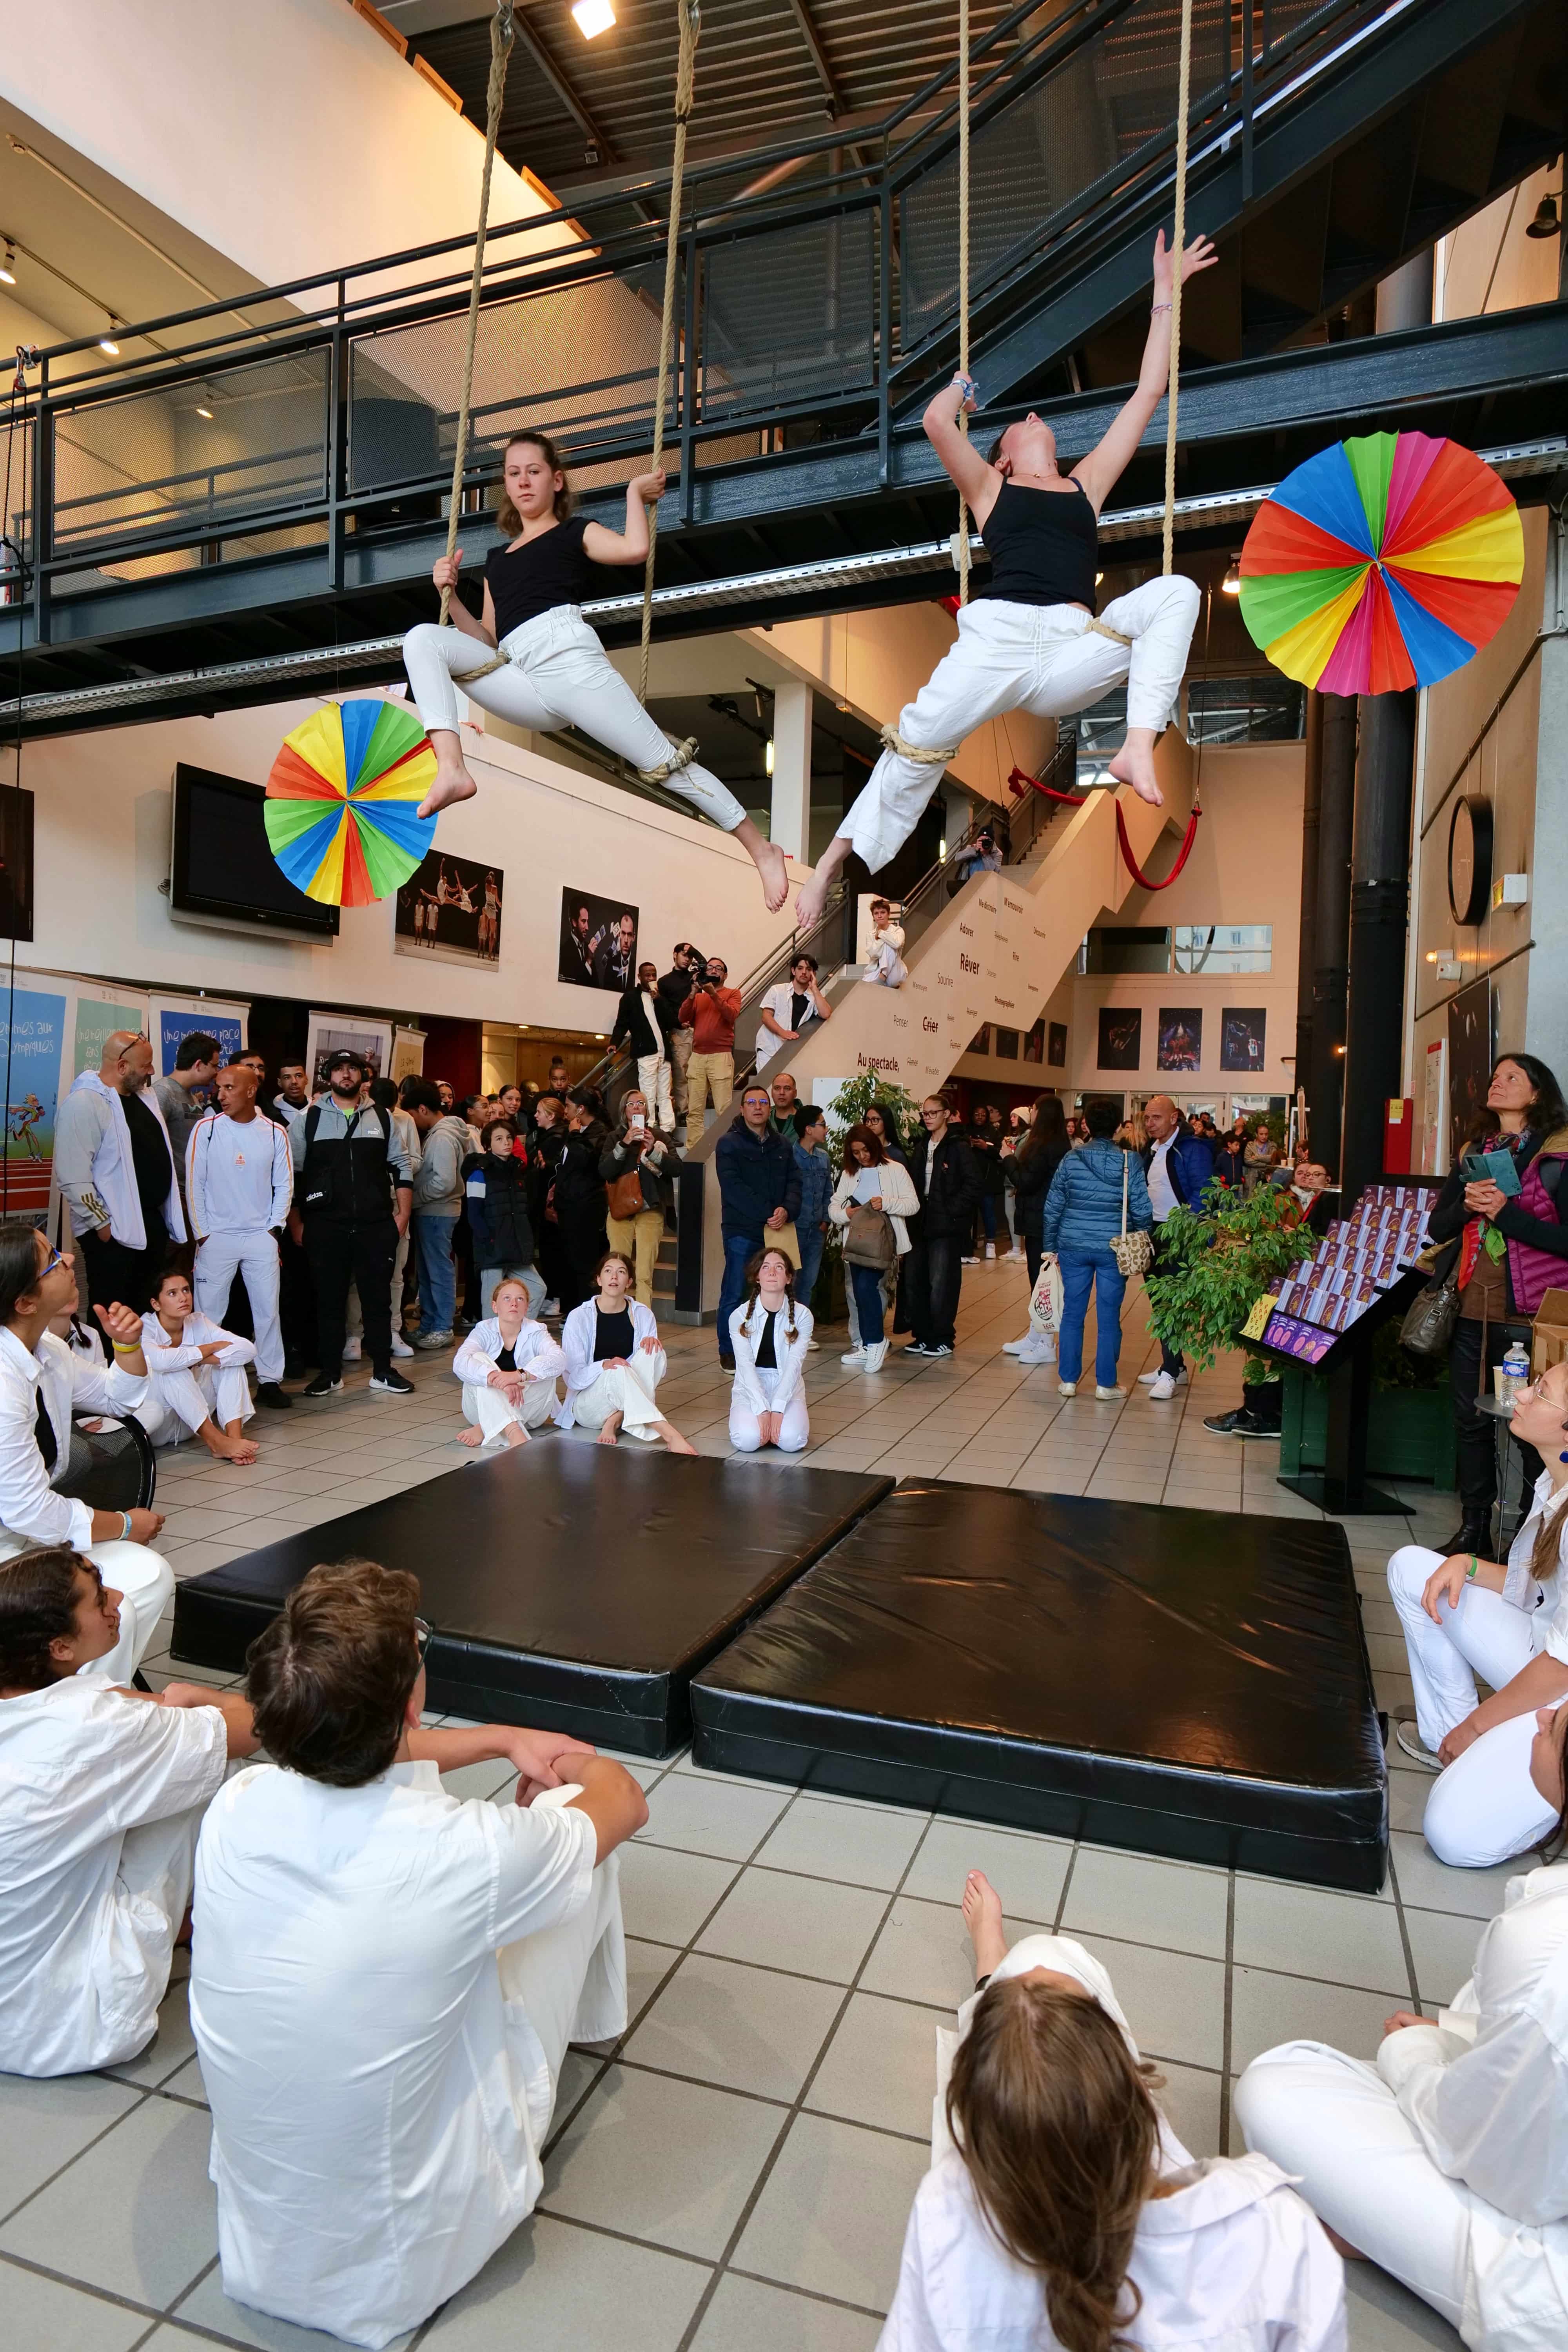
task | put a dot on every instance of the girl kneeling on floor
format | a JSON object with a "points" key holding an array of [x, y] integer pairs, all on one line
{"points": [[509, 1368], [614, 1362], [769, 1335]]}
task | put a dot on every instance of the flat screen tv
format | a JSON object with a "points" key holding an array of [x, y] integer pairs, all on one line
{"points": [[222, 869]]}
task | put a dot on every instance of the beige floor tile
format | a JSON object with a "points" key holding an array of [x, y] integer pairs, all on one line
{"points": [[831, 2215], [1348, 1940], [744, 2029], [665, 1896], [702, 1815], [808, 1925], [44, 2125], [134, 2215], [881, 2067], [1267, 2009], [764, 2318], [864, 1846], [1171, 1904], [43, 2316], [672, 2163]]}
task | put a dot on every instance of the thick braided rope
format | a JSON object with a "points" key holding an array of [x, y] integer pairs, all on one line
{"points": [[962, 273], [923, 755], [685, 73], [501, 35], [1183, 95]]}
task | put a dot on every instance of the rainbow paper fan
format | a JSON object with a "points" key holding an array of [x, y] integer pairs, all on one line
{"points": [[1381, 563], [341, 801]]}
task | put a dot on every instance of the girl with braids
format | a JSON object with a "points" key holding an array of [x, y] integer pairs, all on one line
{"points": [[554, 671], [769, 1336], [1061, 2213]]}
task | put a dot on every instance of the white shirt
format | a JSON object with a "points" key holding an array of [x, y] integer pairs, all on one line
{"points": [[790, 1354], [1545, 1598], [1486, 2091], [579, 1331], [162, 1354], [240, 1177], [377, 2110], [84, 1960], [533, 1352], [898, 1197], [28, 1503], [1161, 1195]]}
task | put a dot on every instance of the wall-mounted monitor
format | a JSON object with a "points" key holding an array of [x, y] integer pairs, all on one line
{"points": [[222, 871]]}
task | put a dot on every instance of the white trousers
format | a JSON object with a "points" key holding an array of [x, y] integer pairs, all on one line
{"points": [[794, 1429], [653, 1083], [255, 1255], [178, 1403], [629, 1392], [571, 1980], [493, 1411], [145, 1583], [1484, 1807], [1043, 658], [558, 674]]}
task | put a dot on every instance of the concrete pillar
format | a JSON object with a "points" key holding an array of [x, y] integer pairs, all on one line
{"points": [[1307, 960], [1331, 948], [790, 822], [1380, 924]]}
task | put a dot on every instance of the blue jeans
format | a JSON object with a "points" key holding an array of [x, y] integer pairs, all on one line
{"points": [[868, 1283], [1083, 1271], [438, 1271], [812, 1244], [738, 1251]]}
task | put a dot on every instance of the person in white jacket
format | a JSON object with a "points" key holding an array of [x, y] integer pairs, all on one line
{"points": [[1060, 2207], [239, 1181], [769, 1338], [1445, 2161], [872, 1178], [115, 1167], [885, 965], [509, 1367], [614, 1362], [1506, 1621], [196, 1375]]}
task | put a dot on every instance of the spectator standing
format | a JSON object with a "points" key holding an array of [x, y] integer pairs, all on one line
{"points": [[1034, 1167], [1178, 1167], [239, 1181], [987, 1147], [116, 1171], [387, 1097], [581, 1201], [1083, 1209], [1260, 1156], [643, 1024], [790, 1009], [815, 1171], [508, 1365], [445, 1144], [674, 988], [549, 1135], [638, 1169], [759, 1190], [784, 1117], [352, 1192], [871, 1205], [196, 1058], [947, 1184], [496, 1188], [292, 1100], [711, 1013]]}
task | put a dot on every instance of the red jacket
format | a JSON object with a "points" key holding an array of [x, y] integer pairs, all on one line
{"points": [[711, 1013]]}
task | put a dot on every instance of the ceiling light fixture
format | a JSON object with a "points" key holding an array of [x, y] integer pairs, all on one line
{"points": [[1546, 223], [8, 273], [107, 343], [204, 412], [1231, 585], [593, 18], [768, 756]]}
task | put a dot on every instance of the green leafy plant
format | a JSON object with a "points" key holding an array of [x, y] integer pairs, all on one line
{"points": [[1215, 1264], [854, 1099]]}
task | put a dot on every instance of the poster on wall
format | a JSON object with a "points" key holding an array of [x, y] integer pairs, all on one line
{"points": [[1434, 1110], [1472, 1046], [1120, 1037], [407, 1054], [329, 1031], [450, 907], [1055, 1046], [1242, 1035], [33, 1031], [1006, 1043], [981, 1041], [598, 942], [174, 1018], [1181, 1039], [97, 1019], [15, 864], [1035, 1041]]}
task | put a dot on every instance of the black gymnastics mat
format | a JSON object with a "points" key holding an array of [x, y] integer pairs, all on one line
{"points": [[570, 1586], [1192, 1683]]}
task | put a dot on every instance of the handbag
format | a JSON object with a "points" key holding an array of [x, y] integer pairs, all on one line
{"points": [[1133, 1253], [868, 1238], [626, 1197], [1428, 1325]]}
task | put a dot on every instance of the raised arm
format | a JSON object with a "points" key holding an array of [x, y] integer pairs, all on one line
{"points": [[1105, 464], [602, 546], [976, 482]]}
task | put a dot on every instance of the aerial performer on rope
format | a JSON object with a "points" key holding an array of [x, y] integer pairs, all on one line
{"points": [[1030, 639]]}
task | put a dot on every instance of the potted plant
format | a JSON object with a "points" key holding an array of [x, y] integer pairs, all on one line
{"points": [[1216, 1263]]}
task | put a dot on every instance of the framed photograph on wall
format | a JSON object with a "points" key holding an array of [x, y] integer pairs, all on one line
{"points": [[598, 942], [1181, 1039], [407, 1054], [1472, 1043], [1006, 1043], [450, 907], [327, 1031], [981, 1041], [1242, 1035], [1055, 1045], [1120, 1037], [1035, 1041]]}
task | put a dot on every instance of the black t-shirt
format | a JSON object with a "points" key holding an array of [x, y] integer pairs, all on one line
{"points": [[506, 1361], [801, 1010], [611, 1335], [151, 1161], [1042, 545], [540, 574], [767, 1355]]}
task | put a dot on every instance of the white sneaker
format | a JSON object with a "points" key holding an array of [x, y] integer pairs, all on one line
{"points": [[400, 1346], [1107, 1396], [1162, 1388], [1067, 1388], [814, 1346], [1147, 1379], [877, 1356], [969, 1261], [551, 1307], [854, 1357], [990, 1249], [1018, 1346], [1412, 1745], [350, 1351], [1039, 1350]]}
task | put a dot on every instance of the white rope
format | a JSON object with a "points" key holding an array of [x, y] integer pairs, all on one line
{"points": [[691, 25], [963, 273], [1184, 96]]}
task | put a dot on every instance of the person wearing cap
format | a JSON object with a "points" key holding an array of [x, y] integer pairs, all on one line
{"points": [[353, 1193]]}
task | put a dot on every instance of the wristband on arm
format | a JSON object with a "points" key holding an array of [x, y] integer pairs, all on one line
{"points": [[1470, 1572]]}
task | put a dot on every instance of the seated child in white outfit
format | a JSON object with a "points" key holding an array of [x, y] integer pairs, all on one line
{"points": [[769, 1336], [615, 1364], [509, 1368], [196, 1375]]}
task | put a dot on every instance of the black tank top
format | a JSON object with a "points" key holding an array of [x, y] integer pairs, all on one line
{"points": [[542, 572], [1042, 545]]}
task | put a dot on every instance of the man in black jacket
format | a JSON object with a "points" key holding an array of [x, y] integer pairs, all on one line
{"points": [[948, 1184], [674, 989], [759, 1188]]}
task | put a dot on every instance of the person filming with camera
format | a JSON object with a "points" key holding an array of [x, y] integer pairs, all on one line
{"points": [[709, 1011]]}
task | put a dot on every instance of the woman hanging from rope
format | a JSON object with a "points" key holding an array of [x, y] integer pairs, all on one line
{"points": [[554, 671], [1030, 641]]}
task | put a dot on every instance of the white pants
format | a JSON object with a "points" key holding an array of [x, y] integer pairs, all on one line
{"points": [[255, 1255], [794, 1429], [145, 1583], [493, 1411], [653, 1083], [629, 1392], [1043, 658], [1484, 1807], [532, 1280], [558, 674], [571, 1980], [178, 1403]]}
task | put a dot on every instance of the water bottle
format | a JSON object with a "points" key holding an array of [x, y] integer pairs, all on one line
{"points": [[1515, 1371]]}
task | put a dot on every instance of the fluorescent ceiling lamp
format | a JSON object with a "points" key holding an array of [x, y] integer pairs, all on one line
{"points": [[768, 756], [9, 272], [204, 412], [594, 18]]}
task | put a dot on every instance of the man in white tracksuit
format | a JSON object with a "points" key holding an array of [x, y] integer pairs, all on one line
{"points": [[239, 1181]]}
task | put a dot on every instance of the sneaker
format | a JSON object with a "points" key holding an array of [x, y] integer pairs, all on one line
{"points": [[400, 1346], [325, 1384], [1247, 1424], [271, 1396], [813, 1346], [938, 1350], [969, 1261], [1067, 1388], [551, 1307], [1107, 1396], [350, 1351], [855, 1357], [1162, 1388], [1018, 1346], [877, 1356], [1147, 1379], [917, 1348], [1041, 1350], [726, 1363], [990, 1249], [1411, 1744], [428, 1341], [391, 1383]]}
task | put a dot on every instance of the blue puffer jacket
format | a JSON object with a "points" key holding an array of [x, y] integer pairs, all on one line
{"points": [[1083, 1207]]}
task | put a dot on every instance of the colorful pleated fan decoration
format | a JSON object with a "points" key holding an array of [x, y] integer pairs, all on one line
{"points": [[1381, 563], [341, 801]]}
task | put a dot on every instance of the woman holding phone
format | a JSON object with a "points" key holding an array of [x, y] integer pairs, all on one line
{"points": [[635, 1222]]}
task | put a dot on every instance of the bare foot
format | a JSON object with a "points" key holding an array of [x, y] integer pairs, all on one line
{"points": [[1134, 765], [1342, 2247], [470, 1437], [808, 906], [514, 1433], [453, 782], [981, 1909], [674, 1441], [774, 870], [611, 1430], [238, 1450]]}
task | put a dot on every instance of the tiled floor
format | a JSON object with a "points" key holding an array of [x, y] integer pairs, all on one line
{"points": [[737, 2172]]}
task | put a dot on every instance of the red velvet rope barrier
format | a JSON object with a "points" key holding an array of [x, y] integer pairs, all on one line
{"points": [[1020, 780]]}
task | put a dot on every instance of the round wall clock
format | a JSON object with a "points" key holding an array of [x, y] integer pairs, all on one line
{"points": [[1469, 859]]}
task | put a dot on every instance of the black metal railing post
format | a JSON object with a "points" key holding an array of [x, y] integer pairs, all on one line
{"points": [[1246, 45], [43, 508], [689, 379], [337, 424], [885, 337]]}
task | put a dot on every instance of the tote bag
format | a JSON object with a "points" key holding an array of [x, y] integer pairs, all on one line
{"points": [[1045, 1299]]}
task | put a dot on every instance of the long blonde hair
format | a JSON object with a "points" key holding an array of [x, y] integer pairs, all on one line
{"points": [[509, 522], [752, 1282]]}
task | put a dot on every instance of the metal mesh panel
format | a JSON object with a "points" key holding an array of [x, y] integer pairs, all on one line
{"points": [[1066, 143], [790, 315]]}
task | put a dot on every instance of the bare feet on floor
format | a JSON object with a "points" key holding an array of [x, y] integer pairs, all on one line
{"points": [[228, 1445], [1134, 765], [453, 782], [981, 1909], [470, 1437], [611, 1430], [674, 1441], [514, 1433]]}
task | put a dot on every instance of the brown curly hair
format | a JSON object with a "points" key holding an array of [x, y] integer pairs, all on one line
{"points": [[509, 522]]}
